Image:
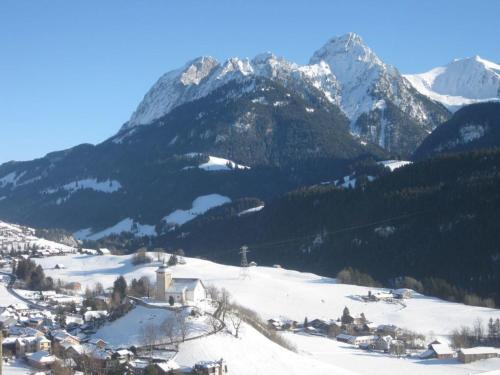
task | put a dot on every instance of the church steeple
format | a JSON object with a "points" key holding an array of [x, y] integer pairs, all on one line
{"points": [[163, 281]]}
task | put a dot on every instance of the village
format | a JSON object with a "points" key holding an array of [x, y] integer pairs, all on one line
{"points": [[52, 330], [56, 326]]}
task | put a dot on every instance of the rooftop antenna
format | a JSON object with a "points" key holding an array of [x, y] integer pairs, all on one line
{"points": [[244, 263]]}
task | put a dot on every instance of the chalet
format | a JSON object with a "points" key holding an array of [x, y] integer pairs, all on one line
{"points": [[282, 325], [275, 324], [475, 354], [122, 356], [345, 338], [166, 368], [437, 350], [40, 359], [397, 347], [99, 343], [320, 325], [61, 340], [31, 344], [101, 360], [103, 251], [403, 293], [8, 321], [24, 331], [210, 368], [73, 319], [383, 343], [356, 340], [389, 329], [71, 351], [9, 346], [137, 366], [95, 315], [89, 251]]}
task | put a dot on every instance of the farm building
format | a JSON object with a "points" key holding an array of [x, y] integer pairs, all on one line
{"points": [[437, 350], [477, 353]]}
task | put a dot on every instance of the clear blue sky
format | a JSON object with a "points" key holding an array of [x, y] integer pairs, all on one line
{"points": [[73, 71]]}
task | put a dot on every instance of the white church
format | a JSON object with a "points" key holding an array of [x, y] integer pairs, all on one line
{"points": [[185, 291]]}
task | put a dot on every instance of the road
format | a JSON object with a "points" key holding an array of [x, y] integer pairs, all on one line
{"points": [[10, 289]]}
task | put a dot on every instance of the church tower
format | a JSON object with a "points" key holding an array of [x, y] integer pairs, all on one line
{"points": [[163, 281]]}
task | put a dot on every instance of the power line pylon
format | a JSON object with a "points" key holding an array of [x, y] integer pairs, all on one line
{"points": [[244, 263]]}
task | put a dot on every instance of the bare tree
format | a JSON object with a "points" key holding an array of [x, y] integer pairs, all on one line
{"points": [[168, 327], [478, 330], [224, 303], [235, 320], [213, 292], [98, 289], [182, 326], [149, 336], [213, 322]]}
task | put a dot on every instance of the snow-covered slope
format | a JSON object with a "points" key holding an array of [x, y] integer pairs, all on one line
{"points": [[21, 238], [126, 225], [461, 82], [274, 292], [200, 206]]}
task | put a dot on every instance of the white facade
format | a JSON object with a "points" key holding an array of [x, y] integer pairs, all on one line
{"points": [[185, 291]]}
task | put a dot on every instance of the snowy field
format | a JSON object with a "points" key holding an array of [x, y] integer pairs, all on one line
{"points": [[128, 330], [17, 367], [6, 298], [274, 292]]}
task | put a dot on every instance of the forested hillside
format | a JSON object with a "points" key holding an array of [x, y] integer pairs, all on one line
{"points": [[435, 218]]}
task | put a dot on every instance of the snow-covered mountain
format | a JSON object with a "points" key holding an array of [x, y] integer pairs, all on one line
{"points": [[461, 82], [202, 76], [383, 107], [374, 95]]}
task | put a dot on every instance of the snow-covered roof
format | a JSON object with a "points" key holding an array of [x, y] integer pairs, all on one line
{"points": [[139, 363], [208, 364], [481, 350], [96, 314], [41, 356], [124, 352], [181, 284], [442, 349], [344, 336], [168, 366]]}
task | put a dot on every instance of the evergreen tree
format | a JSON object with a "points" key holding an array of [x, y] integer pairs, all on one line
{"points": [[120, 288]]}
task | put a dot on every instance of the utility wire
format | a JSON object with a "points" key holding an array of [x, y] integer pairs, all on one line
{"points": [[336, 231]]}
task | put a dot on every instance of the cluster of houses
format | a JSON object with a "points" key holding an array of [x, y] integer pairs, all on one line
{"points": [[45, 340], [395, 295], [45, 337], [15, 239], [385, 338]]}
